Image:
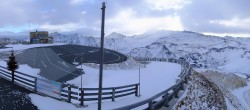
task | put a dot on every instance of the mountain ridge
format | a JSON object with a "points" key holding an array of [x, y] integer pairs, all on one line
{"points": [[225, 54]]}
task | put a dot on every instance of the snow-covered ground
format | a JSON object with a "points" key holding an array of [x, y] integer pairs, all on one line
{"points": [[24, 69], [156, 77], [22, 47]]}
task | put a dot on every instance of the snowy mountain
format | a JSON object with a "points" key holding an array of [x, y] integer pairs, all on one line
{"points": [[227, 54], [125, 44], [73, 39], [209, 52], [114, 41], [6, 41], [60, 38]]}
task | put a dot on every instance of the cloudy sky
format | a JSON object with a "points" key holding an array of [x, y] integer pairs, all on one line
{"points": [[129, 17]]}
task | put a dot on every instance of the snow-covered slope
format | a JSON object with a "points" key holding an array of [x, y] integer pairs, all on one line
{"points": [[73, 39], [226, 54], [125, 44], [208, 52]]}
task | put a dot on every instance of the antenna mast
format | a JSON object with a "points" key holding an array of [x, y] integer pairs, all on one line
{"points": [[29, 25]]}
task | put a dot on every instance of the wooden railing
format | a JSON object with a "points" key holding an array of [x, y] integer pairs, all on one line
{"points": [[167, 95], [71, 92], [21, 79]]}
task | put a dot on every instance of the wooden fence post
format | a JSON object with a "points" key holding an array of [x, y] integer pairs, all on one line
{"points": [[69, 93], [150, 105], [185, 80], [136, 90], [113, 94], [35, 84], [12, 79], [166, 104], [176, 92], [182, 85], [82, 97]]}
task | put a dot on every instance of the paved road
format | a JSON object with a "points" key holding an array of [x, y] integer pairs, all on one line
{"points": [[86, 54], [57, 62], [13, 97], [52, 67]]}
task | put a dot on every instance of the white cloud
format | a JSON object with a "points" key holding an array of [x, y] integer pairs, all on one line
{"points": [[83, 12], [235, 23], [60, 28], [126, 22], [15, 29], [76, 1], [144, 15], [167, 4], [228, 34]]}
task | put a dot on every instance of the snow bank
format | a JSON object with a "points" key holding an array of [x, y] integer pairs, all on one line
{"points": [[46, 103]]}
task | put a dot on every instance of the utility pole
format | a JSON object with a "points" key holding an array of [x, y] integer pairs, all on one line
{"points": [[101, 57]]}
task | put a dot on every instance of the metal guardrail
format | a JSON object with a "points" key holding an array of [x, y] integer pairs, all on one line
{"points": [[166, 95]]}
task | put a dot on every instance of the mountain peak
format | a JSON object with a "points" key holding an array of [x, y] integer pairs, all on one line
{"points": [[116, 35]]}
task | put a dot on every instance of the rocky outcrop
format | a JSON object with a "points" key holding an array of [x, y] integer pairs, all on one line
{"points": [[202, 95]]}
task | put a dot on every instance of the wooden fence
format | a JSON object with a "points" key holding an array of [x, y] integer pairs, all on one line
{"points": [[167, 95], [70, 92], [21, 79]]}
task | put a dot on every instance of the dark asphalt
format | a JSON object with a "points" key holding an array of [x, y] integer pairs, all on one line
{"points": [[57, 62], [86, 54], [51, 66], [13, 97]]}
